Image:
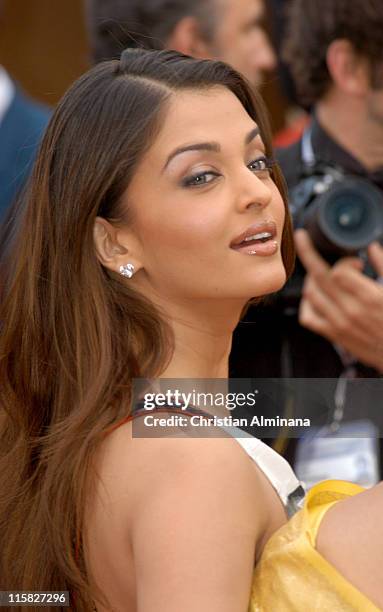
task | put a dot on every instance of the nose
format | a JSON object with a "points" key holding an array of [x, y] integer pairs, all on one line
{"points": [[253, 192], [264, 57]]}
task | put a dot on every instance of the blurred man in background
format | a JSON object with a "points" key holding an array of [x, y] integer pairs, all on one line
{"points": [[229, 30], [22, 122], [295, 116]]}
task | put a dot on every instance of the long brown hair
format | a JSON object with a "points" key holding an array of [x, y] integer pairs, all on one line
{"points": [[74, 334]]}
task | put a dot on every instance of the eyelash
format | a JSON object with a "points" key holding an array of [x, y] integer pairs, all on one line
{"points": [[192, 181]]}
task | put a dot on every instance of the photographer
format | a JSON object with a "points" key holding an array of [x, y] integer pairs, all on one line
{"points": [[328, 323], [341, 77]]}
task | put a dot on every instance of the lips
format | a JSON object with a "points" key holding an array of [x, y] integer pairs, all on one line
{"points": [[258, 233], [258, 239]]}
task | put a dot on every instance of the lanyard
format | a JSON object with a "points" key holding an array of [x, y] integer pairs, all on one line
{"points": [[308, 155]]}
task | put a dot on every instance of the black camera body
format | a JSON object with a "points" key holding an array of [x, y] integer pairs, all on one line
{"points": [[342, 213]]}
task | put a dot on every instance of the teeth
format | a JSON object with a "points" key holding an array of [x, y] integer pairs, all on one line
{"points": [[260, 236]]}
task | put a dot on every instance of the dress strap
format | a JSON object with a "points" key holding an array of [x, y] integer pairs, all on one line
{"points": [[278, 471], [140, 410]]}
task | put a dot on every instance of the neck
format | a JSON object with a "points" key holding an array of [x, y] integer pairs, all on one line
{"points": [[203, 334], [353, 124]]}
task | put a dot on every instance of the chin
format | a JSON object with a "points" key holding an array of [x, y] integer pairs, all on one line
{"points": [[271, 281]]}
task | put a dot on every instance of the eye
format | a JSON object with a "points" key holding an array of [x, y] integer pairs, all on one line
{"points": [[262, 164], [202, 178]]}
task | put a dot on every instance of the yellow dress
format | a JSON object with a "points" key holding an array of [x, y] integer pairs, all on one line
{"points": [[292, 576]]}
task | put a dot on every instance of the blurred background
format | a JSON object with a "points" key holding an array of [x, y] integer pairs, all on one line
{"points": [[43, 44]]}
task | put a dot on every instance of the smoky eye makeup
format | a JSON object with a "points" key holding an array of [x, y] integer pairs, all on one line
{"points": [[261, 165], [201, 170], [200, 177]]}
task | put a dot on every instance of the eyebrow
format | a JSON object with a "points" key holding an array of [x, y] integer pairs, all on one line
{"points": [[207, 146]]}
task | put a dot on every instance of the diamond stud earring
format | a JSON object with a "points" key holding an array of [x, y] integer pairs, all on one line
{"points": [[127, 270]]}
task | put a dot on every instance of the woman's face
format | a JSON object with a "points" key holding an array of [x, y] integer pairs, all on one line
{"points": [[202, 187]]}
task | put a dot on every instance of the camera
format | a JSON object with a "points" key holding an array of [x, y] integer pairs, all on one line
{"points": [[342, 213]]}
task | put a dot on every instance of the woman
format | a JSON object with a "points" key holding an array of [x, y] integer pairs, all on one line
{"points": [[154, 214]]}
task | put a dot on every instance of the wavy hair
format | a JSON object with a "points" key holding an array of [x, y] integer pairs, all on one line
{"points": [[74, 334]]}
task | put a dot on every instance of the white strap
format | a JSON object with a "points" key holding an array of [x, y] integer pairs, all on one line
{"points": [[275, 467], [307, 151]]}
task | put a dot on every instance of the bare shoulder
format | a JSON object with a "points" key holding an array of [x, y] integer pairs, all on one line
{"points": [[351, 538], [192, 511], [147, 466]]}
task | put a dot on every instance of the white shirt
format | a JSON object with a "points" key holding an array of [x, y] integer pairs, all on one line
{"points": [[7, 91]]}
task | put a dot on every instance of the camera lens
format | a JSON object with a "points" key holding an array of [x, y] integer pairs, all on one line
{"points": [[346, 218], [347, 214]]}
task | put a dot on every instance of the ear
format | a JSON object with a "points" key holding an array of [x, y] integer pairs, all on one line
{"points": [[347, 68], [114, 246], [186, 38]]}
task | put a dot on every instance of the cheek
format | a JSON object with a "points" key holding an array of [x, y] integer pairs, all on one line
{"points": [[243, 57], [184, 250], [278, 209], [191, 224]]}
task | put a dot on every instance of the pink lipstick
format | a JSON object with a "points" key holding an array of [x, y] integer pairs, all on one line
{"points": [[257, 239]]}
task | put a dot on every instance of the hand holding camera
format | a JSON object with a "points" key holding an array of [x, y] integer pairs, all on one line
{"points": [[341, 303]]}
